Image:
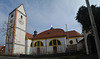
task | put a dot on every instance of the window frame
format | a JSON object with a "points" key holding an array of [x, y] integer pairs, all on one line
{"points": [[38, 44], [53, 42]]}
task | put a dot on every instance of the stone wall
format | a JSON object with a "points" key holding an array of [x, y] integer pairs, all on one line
{"points": [[81, 45]]}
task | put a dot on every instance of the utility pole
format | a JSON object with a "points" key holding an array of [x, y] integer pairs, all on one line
{"points": [[94, 28], [68, 40]]}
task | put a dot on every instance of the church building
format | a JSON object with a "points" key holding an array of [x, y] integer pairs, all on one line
{"points": [[51, 41]]}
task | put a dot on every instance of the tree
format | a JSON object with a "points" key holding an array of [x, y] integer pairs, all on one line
{"points": [[83, 17]]}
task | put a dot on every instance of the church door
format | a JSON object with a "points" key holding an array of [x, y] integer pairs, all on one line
{"points": [[38, 50], [54, 49]]}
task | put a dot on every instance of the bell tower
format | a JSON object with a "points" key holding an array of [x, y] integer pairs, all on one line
{"points": [[16, 31]]}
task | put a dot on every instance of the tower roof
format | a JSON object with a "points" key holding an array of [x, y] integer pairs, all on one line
{"points": [[20, 9]]}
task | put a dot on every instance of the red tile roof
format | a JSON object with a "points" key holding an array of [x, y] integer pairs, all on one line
{"points": [[1, 47], [73, 34], [29, 35], [54, 33], [50, 33]]}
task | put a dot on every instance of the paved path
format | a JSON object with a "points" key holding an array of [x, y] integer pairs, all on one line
{"points": [[88, 57], [63, 57], [31, 58]]}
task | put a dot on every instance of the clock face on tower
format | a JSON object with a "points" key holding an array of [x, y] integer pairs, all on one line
{"points": [[21, 21]]}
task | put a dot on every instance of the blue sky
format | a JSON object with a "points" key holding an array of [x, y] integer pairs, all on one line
{"points": [[41, 14]]}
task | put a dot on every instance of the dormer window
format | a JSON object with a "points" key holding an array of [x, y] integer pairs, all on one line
{"points": [[48, 33]]}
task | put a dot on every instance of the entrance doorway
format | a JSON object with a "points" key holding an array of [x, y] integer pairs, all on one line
{"points": [[54, 49], [38, 50], [38, 46], [91, 44], [55, 43]]}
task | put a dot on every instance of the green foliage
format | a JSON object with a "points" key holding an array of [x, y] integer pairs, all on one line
{"points": [[83, 17]]}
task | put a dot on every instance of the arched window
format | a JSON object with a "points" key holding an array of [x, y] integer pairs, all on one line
{"points": [[38, 44], [54, 42], [31, 44], [35, 45], [50, 43], [58, 42], [41, 44]]}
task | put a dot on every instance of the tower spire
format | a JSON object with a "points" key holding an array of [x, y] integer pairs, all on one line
{"points": [[51, 27]]}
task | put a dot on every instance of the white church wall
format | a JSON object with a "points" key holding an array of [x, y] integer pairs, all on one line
{"points": [[28, 47], [62, 47], [30, 50], [42, 48], [59, 50], [28, 42], [19, 38], [49, 50], [27, 50], [34, 50], [74, 40], [71, 39], [19, 49], [19, 45], [21, 26]]}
